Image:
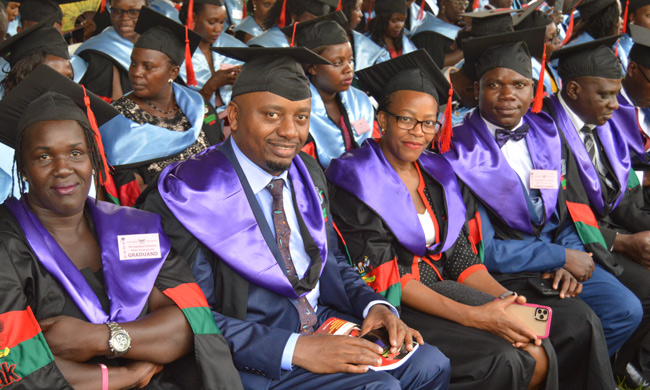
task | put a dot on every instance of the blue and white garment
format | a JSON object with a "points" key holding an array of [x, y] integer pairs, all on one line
{"points": [[407, 45], [6, 166], [437, 26], [327, 135], [166, 9], [4, 69], [273, 37], [235, 9], [548, 87], [128, 142], [250, 27], [203, 72], [110, 43], [414, 11], [12, 28], [366, 52]]}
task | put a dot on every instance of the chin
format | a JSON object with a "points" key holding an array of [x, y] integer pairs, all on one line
{"points": [[278, 166]]}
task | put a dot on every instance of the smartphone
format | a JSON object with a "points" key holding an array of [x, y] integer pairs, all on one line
{"points": [[543, 286], [535, 317]]}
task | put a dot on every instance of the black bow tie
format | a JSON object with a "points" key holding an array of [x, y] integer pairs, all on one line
{"points": [[504, 135]]}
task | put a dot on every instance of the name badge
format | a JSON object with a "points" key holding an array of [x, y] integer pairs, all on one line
{"points": [[139, 246], [361, 126], [542, 179], [226, 66], [238, 14]]}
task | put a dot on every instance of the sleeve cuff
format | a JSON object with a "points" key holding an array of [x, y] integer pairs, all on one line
{"points": [[287, 354], [470, 270], [378, 302]]}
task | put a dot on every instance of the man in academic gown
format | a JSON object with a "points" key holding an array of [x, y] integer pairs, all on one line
{"points": [[248, 252], [591, 75], [511, 160]]}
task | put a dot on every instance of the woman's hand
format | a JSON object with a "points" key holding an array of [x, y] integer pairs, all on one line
{"points": [[141, 372], [74, 339], [493, 318], [224, 77]]}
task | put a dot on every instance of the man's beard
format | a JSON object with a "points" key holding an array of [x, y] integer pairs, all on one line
{"points": [[275, 166]]}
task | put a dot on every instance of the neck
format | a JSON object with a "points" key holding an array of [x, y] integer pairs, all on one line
{"points": [[205, 46], [326, 96], [399, 165], [164, 99], [58, 225], [259, 22]]}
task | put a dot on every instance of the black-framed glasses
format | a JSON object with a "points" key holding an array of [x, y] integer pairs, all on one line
{"points": [[132, 13], [408, 123]]}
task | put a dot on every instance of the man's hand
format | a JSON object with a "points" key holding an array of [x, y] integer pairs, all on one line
{"points": [[493, 318], [637, 246], [580, 264], [562, 279], [381, 316], [74, 339], [328, 354]]}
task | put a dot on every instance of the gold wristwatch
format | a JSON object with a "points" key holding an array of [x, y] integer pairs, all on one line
{"points": [[119, 341]]}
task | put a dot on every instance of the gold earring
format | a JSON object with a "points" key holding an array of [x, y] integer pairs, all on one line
{"points": [[170, 80], [24, 178]]}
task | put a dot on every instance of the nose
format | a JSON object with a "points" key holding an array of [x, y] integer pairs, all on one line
{"points": [[288, 128], [62, 167], [506, 93], [418, 129], [613, 103]]}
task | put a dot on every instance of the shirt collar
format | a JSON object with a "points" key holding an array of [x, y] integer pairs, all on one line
{"points": [[493, 128], [575, 119], [257, 177]]}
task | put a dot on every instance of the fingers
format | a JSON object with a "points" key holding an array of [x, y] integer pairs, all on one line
{"points": [[565, 284], [520, 299]]}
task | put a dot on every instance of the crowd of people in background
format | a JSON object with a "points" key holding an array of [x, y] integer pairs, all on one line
{"points": [[192, 190]]}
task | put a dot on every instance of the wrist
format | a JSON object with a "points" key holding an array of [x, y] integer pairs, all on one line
{"points": [[621, 242]]}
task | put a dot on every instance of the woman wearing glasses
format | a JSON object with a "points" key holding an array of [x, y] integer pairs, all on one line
{"points": [[402, 219], [341, 115], [107, 56]]}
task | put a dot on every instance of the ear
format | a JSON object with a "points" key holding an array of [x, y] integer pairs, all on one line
{"points": [[631, 17], [312, 70], [174, 73], [631, 69], [381, 120], [232, 112], [477, 90], [572, 90]]}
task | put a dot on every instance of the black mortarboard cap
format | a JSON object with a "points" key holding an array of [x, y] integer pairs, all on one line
{"points": [[527, 11], [46, 95], [415, 71], [37, 10], [390, 6], [510, 50], [640, 52], [636, 4], [273, 69], [491, 22], [39, 38], [160, 33], [595, 58], [321, 31], [535, 19], [319, 7], [589, 8], [218, 3]]}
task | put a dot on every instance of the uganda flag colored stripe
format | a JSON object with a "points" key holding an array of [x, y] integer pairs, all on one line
{"points": [[386, 281], [25, 358]]}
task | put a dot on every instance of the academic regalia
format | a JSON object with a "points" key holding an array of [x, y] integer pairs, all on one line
{"points": [[366, 52], [414, 19], [166, 9], [386, 242], [101, 53], [42, 282], [272, 37], [248, 26], [436, 37], [552, 82], [254, 301], [235, 9], [203, 72], [12, 28]]}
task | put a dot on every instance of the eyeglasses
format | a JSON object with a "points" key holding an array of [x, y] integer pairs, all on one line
{"points": [[460, 4], [408, 123], [132, 13]]}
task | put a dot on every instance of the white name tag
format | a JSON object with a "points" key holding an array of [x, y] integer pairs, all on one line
{"points": [[238, 14], [139, 246], [541, 179], [361, 126]]}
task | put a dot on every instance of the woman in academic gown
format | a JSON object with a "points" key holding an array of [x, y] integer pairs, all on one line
{"points": [[92, 295], [407, 235], [341, 115], [214, 73], [251, 26], [162, 121], [386, 29]]}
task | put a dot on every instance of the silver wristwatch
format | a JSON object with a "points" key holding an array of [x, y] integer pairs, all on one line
{"points": [[119, 341]]}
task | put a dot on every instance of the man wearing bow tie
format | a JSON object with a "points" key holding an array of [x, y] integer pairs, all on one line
{"points": [[513, 163]]}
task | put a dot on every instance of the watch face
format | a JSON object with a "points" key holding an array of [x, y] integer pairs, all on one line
{"points": [[120, 342]]}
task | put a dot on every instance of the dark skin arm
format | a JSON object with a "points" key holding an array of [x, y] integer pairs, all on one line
{"points": [[636, 245], [352, 354], [83, 376], [218, 79], [161, 337], [563, 280]]}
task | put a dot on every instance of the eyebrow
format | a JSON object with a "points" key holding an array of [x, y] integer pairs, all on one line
{"points": [[49, 147]]}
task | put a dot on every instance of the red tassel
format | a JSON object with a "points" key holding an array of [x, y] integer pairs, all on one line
{"points": [[98, 138], [539, 94], [444, 138], [189, 68], [476, 4], [340, 5], [627, 8], [370, 12], [293, 37], [102, 6], [282, 22], [245, 10], [569, 30], [421, 13], [190, 15], [616, 49]]}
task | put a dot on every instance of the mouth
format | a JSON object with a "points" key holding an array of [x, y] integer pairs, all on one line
{"points": [[413, 145], [65, 189], [284, 150], [348, 81], [507, 110]]}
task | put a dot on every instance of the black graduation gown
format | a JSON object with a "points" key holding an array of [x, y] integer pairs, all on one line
{"points": [[496, 364]]}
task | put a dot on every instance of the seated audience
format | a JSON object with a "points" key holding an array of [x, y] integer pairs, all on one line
{"points": [[251, 26], [386, 29], [366, 52]]}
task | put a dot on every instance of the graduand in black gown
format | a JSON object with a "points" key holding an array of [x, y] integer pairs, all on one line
{"points": [[105, 280]]}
